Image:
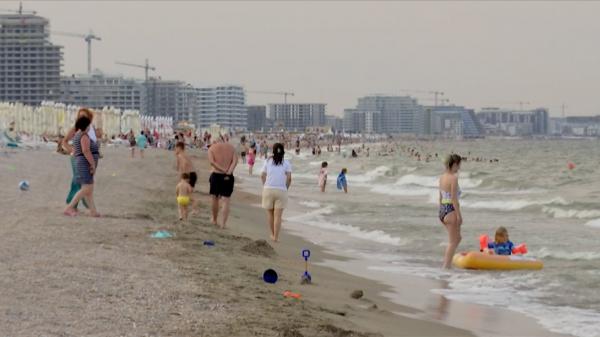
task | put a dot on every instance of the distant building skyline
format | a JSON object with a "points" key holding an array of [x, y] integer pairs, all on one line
{"points": [[546, 71]]}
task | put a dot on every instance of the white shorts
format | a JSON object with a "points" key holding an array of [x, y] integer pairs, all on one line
{"points": [[274, 198]]}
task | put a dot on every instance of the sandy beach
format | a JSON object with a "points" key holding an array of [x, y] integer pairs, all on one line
{"points": [[83, 276]]}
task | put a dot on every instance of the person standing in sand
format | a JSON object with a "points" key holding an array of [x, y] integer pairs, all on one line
{"points": [[251, 158], [141, 142], [449, 213], [185, 165], [276, 178], [223, 160], [75, 185], [184, 191], [86, 155], [131, 138]]}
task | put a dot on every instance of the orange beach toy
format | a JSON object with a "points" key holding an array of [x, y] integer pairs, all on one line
{"points": [[288, 293]]}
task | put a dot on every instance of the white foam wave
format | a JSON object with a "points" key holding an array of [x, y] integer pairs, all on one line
{"points": [[310, 204], [371, 175], [510, 205], [316, 219], [407, 191], [433, 181], [502, 291], [571, 256], [561, 213], [593, 223]]}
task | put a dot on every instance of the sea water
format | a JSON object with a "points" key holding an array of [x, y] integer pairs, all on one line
{"points": [[389, 221]]}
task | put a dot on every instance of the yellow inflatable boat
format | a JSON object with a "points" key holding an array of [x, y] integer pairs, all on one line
{"points": [[477, 260]]}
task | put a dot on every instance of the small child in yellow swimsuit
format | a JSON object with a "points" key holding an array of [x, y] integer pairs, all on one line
{"points": [[184, 195]]}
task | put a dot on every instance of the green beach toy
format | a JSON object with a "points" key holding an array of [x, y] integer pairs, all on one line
{"points": [[161, 235]]}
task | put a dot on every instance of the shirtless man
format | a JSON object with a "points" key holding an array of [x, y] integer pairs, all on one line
{"points": [[223, 160], [185, 165]]}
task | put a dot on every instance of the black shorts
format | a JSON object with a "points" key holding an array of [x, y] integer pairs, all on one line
{"points": [[193, 179], [221, 185]]}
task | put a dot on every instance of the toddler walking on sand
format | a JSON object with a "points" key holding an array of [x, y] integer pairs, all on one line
{"points": [[184, 192]]}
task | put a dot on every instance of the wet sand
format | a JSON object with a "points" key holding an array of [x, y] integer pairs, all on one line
{"points": [[83, 276]]}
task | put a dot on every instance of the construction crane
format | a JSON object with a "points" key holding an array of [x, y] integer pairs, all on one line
{"points": [[88, 38], [20, 11], [281, 93], [436, 94], [521, 103], [146, 67]]}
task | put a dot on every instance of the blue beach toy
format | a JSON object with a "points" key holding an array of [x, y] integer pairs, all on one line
{"points": [[209, 243], [306, 278], [270, 276], [161, 235], [24, 185]]}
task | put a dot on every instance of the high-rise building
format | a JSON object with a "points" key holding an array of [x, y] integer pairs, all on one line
{"points": [[336, 123], [30, 64], [222, 105], [386, 114], [257, 117], [514, 123], [176, 99], [454, 121], [98, 90], [297, 116]]}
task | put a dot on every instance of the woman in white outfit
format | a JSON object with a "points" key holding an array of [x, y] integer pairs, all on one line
{"points": [[277, 178]]}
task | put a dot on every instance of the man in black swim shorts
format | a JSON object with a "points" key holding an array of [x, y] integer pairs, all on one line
{"points": [[223, 160]]}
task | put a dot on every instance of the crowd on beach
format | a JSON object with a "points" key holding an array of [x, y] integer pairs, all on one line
{"points": [[82, 145]]}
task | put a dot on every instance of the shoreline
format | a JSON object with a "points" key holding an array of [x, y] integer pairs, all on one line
{"points": [[397, 300], [86, 276]]}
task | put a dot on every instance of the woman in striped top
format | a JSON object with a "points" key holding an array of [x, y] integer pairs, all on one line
{"points": [[85, 151]]}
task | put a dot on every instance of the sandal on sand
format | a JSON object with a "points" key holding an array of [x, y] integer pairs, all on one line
{"points": [[70, 212]]}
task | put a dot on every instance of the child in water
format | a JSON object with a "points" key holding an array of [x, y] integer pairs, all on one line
{"points": [[342, 184], [323, 176], [501, 245], [184, 191]]}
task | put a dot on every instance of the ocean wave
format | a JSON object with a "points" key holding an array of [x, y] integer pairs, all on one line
{"points": [[405, 191], [510, 205], [562, 255], [310, 204], [503, 292], [369, 176], [561, 213], [593, 223], [433, 181], [316, 219]]}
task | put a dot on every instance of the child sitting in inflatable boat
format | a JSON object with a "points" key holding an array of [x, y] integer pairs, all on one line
{"points": [[501, 245]]}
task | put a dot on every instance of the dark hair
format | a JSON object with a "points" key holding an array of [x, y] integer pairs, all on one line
{"points": [[185, 176], [278, 154], [324, 164], [142, 132], [452, 160], [180, 145], [344, 170], [82, 123]]}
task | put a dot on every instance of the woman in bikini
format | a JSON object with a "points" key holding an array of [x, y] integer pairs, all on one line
{"points": [[450, 214]]}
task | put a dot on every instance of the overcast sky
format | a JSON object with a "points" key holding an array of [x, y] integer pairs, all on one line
{"points": [[478, 53]]}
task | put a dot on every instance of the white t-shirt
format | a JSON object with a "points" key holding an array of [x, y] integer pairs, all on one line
{"points": [[276, 174], [92, 133]]}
